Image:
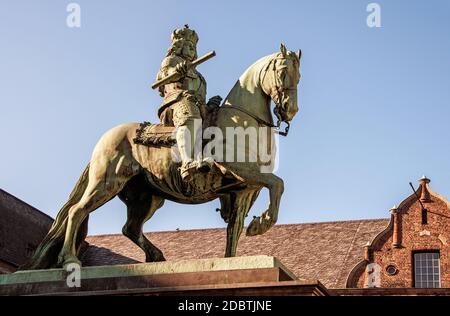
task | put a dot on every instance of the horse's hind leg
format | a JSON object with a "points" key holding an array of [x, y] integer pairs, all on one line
{"points": [[138, 213], [97, 193], [77, 214], [141, 205]]}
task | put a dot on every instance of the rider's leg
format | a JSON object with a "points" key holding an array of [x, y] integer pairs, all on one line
{"points": [[188, 121], [184, 142]]}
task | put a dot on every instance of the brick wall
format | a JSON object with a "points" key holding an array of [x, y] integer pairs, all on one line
{"points": [[397, 249]]}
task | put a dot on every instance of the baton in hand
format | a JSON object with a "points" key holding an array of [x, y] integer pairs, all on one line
{"points": [[195, 63]]}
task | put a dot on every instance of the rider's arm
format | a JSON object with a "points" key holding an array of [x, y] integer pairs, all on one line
{"points": [[170, 65]]}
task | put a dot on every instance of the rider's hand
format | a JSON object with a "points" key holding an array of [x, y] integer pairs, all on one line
{"points": [[215, 101], [182, 68]]}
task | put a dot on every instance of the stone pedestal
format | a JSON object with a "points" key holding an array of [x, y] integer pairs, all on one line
{"points": [[258, 275]]}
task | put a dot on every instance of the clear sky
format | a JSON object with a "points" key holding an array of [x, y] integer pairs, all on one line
{"points": [[374, 102]]}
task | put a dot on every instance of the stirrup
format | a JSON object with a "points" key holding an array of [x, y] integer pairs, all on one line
{"points": [[187, 170], [205, 165]]}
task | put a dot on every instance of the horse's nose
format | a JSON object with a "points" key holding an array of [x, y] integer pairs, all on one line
{"points": [[290, 113], [289, 116]]}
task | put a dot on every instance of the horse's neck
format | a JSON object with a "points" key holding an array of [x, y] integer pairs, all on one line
{"points": [[247, 93]]}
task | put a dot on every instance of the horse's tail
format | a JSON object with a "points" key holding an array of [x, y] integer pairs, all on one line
{"points": [[46, 254]]}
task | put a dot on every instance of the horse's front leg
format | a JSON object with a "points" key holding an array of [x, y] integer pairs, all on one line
{"points": [[251, 174], [263, 223], [237, 207]]}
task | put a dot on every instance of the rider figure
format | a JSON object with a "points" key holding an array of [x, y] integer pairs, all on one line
{"points": [[185, 100]]}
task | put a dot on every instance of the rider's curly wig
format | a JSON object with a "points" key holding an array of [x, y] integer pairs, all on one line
{"points": [[177, 49]]}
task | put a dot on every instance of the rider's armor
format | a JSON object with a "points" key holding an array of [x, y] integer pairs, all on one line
{"points": [[184, 106], [183, 99]]}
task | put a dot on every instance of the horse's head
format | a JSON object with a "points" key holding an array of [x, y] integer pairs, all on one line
{"points": [[280, 80]]}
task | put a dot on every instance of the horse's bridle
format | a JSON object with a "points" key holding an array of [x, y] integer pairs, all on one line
{"points": [[280, 93]]}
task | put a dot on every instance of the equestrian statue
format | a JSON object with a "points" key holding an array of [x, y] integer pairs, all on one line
{"points": [[189, 157]]}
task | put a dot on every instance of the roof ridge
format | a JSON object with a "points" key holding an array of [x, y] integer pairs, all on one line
{"points": [[222, 228], [336, 221], [27, 204]]}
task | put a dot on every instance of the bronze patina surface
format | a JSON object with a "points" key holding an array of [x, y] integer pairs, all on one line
{"points": [[144, 176]]}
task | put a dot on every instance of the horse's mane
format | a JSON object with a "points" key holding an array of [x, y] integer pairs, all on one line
{"points": [[249, 83], [250, 77], [256, 68]]}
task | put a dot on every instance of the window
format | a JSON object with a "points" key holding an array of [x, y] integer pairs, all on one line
{"points": [[424, 216], [391, 269], [426, 270]]}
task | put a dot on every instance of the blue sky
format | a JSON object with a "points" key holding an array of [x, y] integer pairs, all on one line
{"points": [[374, 102]]}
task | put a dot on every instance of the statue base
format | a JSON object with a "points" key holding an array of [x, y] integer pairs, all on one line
{"points": [[257, 275]]}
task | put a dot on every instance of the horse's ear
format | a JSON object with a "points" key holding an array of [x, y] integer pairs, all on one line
{"points": [[283, 50], [299, 54]]}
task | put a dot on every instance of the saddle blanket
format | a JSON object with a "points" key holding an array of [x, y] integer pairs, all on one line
{"points": [[149, 134]]}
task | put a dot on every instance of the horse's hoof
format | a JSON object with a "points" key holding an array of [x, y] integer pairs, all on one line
{"points": [[155, 258], [66, 261], [259, 225], [254, 227]]}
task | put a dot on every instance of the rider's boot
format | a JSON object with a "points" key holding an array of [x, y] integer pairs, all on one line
{"points": [[205, 164]]}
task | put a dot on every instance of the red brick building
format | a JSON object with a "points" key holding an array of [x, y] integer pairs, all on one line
{"points": [[406, 254], [413, 250]]}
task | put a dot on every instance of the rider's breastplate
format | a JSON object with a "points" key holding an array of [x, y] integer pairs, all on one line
{"points": [[193, 83]]}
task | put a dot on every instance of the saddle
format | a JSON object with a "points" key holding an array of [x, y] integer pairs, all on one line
{"points": [[160, 135]]}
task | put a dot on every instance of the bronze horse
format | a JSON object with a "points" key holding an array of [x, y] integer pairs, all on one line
{"points": [[144, 176]]}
